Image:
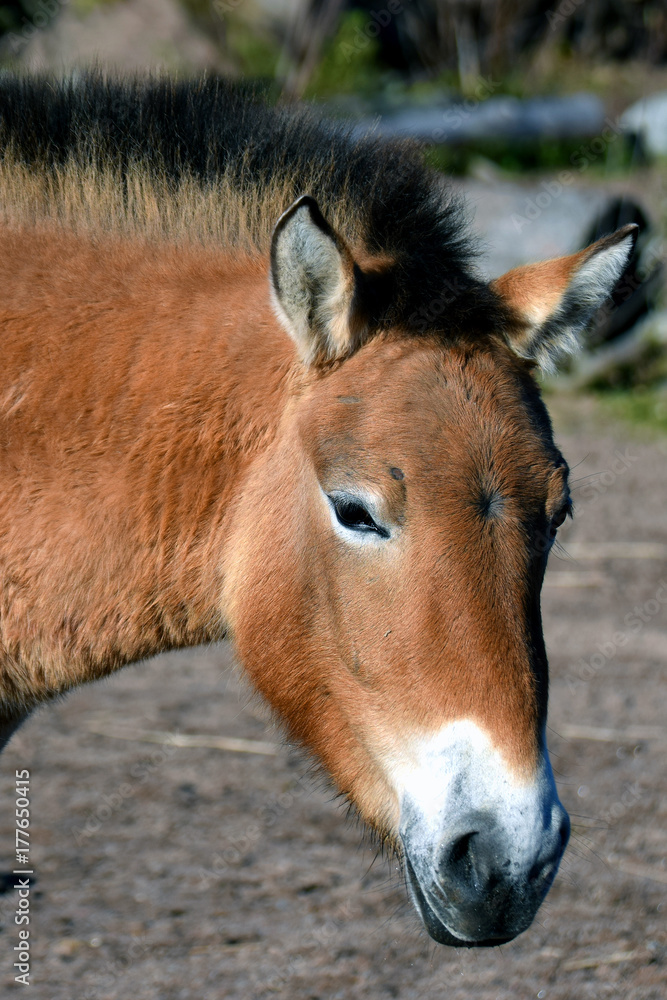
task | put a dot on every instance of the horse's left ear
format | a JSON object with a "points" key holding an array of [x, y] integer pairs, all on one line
{"points": [[553, 302], [313, 276]]}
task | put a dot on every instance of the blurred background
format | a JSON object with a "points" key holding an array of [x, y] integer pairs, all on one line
{"points": [[185, 871], [551, 114]]}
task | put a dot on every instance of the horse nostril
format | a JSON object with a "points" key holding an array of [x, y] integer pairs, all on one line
{"points": [[461, 867], [460, 854], [564, 831]]}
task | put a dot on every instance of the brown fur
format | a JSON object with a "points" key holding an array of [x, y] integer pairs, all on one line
{"points": [[148, 205], [162, 455], [121, 444], [536, 289], [547, 325], [449, 631], [90, 200]]}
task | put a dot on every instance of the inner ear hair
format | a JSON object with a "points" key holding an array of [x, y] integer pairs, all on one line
{"points": [[554, 301], [313, 278]]}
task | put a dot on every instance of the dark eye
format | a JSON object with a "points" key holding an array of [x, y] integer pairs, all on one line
{"points": [[559, 519], [352, 514]]}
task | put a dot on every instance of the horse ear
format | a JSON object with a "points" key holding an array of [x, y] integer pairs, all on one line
{"points": [[553, 302], [313, 277]]}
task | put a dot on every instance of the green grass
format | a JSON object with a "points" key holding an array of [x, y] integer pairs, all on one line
{"points": [[534, 156], [256, 53], [349, 63], [644, 407]]}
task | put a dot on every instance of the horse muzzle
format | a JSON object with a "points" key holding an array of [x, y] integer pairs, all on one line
{"points": [[481, 848], [472, 891]]}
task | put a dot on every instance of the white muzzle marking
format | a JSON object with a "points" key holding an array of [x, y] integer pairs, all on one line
{"points": [[482, 845]]}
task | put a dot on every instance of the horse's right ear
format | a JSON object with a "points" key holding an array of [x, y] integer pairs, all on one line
{"points": [[313, 281]]}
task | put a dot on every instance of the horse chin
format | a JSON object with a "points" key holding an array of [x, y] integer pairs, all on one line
{"points": [[434, 924]]}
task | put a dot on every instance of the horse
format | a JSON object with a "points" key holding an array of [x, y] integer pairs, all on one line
{"points": [[253, 386]]}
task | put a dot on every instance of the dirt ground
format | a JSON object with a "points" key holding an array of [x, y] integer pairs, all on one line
{"points": [[169, 872]]}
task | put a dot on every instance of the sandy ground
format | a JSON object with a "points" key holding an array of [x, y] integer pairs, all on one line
{"points": [[166, 872]]}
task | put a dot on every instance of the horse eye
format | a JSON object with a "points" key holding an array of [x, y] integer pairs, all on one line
{"points": [[353, 515], [559, 519]]}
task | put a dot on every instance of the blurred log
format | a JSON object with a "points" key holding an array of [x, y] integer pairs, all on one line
{"points": [[497, 118], [647, 121]]}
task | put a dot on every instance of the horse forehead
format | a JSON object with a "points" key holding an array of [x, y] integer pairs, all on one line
{"points": [[425, 404]]}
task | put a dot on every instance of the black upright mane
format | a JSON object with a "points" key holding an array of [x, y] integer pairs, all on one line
{"points": [[381, 196]]}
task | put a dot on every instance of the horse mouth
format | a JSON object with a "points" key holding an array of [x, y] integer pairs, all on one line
{"points": [[434, 924]]}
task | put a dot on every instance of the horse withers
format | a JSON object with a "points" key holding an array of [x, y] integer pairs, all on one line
{"points": [[307, 426]]}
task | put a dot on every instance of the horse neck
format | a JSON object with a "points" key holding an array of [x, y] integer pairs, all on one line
{"points": [[165, 377], [232, 372]]}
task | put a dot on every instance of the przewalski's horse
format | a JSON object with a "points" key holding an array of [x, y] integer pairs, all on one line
{"points": [[251, 386]]}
